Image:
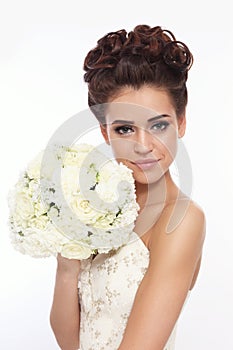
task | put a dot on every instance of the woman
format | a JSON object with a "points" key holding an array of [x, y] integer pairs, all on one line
{"points": [[130, 299]]}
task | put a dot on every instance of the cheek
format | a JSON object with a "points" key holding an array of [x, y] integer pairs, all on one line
{"points": [[122, 148], [168, 143]]}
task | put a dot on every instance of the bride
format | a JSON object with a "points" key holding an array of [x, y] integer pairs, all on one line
{"points": [[131, 298]]}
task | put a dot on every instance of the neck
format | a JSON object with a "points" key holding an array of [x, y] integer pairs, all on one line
{"points": [[153, 199], [159, 193]]}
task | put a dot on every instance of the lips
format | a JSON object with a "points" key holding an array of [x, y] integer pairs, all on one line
{"points": [[145, 164]]}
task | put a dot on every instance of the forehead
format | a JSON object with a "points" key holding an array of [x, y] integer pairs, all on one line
{"points": [[141, 104]]}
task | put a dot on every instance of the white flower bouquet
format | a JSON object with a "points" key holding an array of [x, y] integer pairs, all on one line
{"points": [[72, 201]]}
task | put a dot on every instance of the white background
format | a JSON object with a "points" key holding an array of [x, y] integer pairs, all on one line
{"points": [[42, 47]]}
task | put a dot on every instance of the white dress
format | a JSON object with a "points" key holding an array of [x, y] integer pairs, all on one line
{"points": [[107, 287]]}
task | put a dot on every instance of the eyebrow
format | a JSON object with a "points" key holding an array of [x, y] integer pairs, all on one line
{"points": [[120, 121]]}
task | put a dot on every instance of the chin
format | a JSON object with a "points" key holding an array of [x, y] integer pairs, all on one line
{"points": [[147, 178]]}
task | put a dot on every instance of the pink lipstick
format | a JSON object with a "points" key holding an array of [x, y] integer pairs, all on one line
{"points": [[146, 164]]}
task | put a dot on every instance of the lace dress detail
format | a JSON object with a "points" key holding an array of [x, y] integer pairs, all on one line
{"points": [[107, 287]]}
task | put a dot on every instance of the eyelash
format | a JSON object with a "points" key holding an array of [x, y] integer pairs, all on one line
{"points": [[162, 127]]}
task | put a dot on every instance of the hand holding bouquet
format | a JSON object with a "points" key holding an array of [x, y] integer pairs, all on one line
{"points": [[85, 205]]}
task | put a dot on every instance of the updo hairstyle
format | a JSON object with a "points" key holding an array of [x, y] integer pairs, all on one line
{"points": [[145, 56]]}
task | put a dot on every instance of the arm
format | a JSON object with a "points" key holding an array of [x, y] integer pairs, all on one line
{"points": [[163, 290], [64, 316]]}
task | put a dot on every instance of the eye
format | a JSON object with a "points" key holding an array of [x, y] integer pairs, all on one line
{"points": [[123, 130], [160, 126]]}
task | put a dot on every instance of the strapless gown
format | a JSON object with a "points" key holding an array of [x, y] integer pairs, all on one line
{"points": [[107, 287]]}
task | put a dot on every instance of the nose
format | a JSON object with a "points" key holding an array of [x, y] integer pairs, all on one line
{"points": [[143, 142]]}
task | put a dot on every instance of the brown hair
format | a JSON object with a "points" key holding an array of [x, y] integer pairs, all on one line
{"points": [[144, 56]]}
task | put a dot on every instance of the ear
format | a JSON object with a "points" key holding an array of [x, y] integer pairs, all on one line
{"points": [[104, 132], [181, 125]]}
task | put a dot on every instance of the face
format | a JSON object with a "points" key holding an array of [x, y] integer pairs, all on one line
{"points": [[142, 128]]}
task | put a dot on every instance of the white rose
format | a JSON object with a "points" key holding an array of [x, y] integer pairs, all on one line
{"points": [[54, 238], [76, 154], [107, 192], [39, 222], [75, 251], [69, 180], [115, 183], [106, 171], [84, 210], [125, 173], [34, 243], [23, 207]]}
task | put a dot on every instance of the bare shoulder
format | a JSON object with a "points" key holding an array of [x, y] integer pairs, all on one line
{"points": [[179, 232], [182, 214]]}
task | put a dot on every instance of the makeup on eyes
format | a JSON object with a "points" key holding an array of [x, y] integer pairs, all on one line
{"points": [[126, 126], [160, 125]]}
